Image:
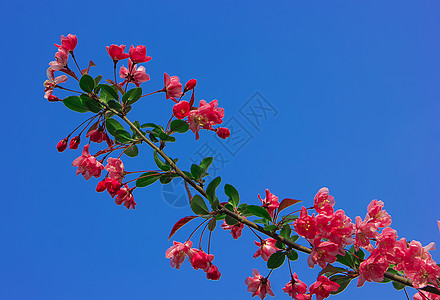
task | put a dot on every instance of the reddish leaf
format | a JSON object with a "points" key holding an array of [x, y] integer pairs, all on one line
{"points": [[86, 71], [286, 203], [180, 223]]}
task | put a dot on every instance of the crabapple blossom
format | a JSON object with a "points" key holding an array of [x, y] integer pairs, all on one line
{"points": [[138, 54], [181, 109], [68, 43], [191, 84], [258, 285], [178, 252], [235, 229], [341, 229], [74, 142], [133, 74], [62, 145], [117, 52], [364, 232], [223, 132], [125, 196], [270, 203], [173, 87], [109, 184], [295, 287], [60, 63], [267, 248], [213, 273], [377, 215], [323, 287], [204, 117], [96, 135], [201, 260], [372, 269], [52, 82], [386, 241], [87, 164], [305, 225], [323, 202], [323, 252], [115, 169], [425, 296]]}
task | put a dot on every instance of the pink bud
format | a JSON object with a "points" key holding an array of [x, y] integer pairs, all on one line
{"points": [[74, 142], [223, 132], [69, 42], [117, 52], [213, 273], [181, 109], [101, 186], [190, 85], [138, 54], [62, 145], [53, 98]]}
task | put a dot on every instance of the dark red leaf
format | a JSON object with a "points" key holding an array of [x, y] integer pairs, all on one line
{"points": [[86, 71], [286, 203], [180, 223]]}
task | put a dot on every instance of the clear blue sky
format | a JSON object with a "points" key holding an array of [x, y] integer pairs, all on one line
{"points": [[355, 93]]}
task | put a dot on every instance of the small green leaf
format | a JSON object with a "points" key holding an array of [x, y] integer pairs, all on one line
{"points": [[198, 206], [212, 224], [87, 83], [97, 79], [232, 193], [179, 126], [398, 286], [259, 212], [210, 190], [112, 126], [115, 105], [279, 245], [276, 260], [166, 178], [122, 136], [132, 96], [132, 151], [230, 220], [108, 92], [152, 125], [292, 255], [75, 103], [161, 165], [196, 172], [286, 231], [205, 163], [166, 137], [270, 227], [346, 260], [242, 208], [294, 238], [93, 105], [147, 179], [343, 282]]}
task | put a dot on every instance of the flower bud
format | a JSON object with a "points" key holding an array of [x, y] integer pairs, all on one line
{"points": [[213, 273], [62, 145], [101, 186], [74, 142], [223, 132], [190, 85], [53, 98]]}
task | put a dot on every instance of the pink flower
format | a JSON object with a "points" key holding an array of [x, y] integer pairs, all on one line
{"points": [[323, 287], [62, 56], [235, 229], [109, 184], [68, 43], [74, 142], [386, 241], [115, 169], [364, 232], [87, 164], [258, 285], [341, 229], [125, 196], [205, 116], [117, 52], [425, 296], [223, 132], [52, 82], [267, 248], [295, 286], [135, 75], [181, 109], [322, 253], [191, 84], [62, 145], [96, 135], [178, 252], [138, 54], [213, 273], [201, 260], [305, 225], [270, 203], [173, 87], [372, 269], [324, 202], [377, 215]]}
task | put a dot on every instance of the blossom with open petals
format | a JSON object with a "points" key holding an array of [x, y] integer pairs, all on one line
{"points": [[323, 287], [138, 54], [52, 82], [115, 169], [178, 252], [323, 202], [173, 87], [133, 74], [68, 42], [266, 248], [87, 164], [258, 285], [204, 117], [270, 203], [125, 196], [295, 287], [117, 52]]}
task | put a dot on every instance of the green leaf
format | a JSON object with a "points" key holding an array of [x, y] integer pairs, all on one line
{"points": [[166, 178], [286, 231], [112, 126], [196, 172], [343, 282], [210, 190], [346, 260], [166, 137], [161, 165], [294, 238], [242, 208], [212, 224], [230, 220], [270, 227], [132, 151], [292, 255], [259, 212], [147, 179], [152, 125], [198, 206], [92, 105], [398, 286], [232, 193], [122, 136], [279, 245], [179, 126], [97, 79], [132, 96], [108, 92], [276, 260], [205, 163], [115, 105], [87, 83], [75, 103], [262, 221]]}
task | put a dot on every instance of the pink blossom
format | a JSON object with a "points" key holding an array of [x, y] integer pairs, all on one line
{"points": [[426, 295], [377, 215], [223, 132], [324, 202], [270, 203], [109, 184], [62, 145], [96, 135], [115, 169], [364, 232], [341, 229], [173, 87], [74, 142], [267, 248], [133, 74], [422, 272], [372, 269], [305, 225], [191, 84], [117, 52], [178, 252], [201, 260], [235, 229], [322, 253], [323, 287], [52, 82], [295, 286], [87, 164], [207, 115], [138, 54], [181, 109], [258, 285], [68, 43], [125, 196], [213, 273], [386, 241]]}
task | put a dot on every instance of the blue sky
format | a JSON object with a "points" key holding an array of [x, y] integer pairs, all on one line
{"points": [[354, 93]]}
